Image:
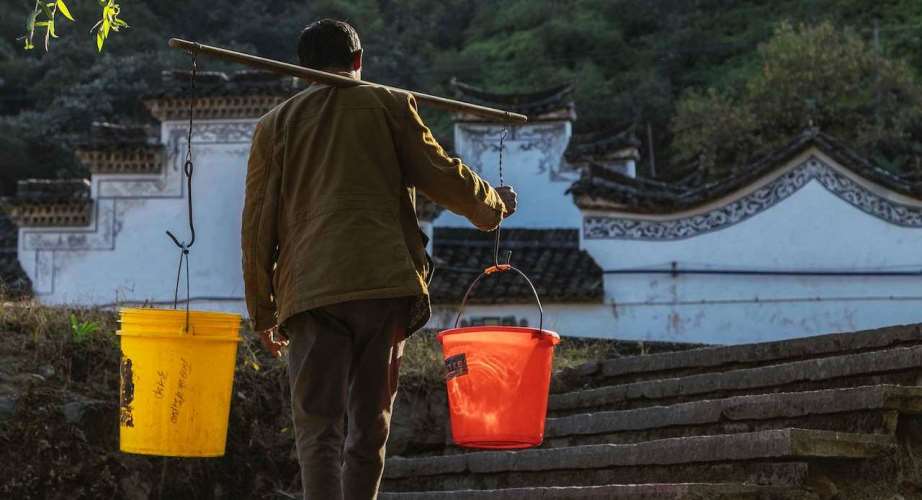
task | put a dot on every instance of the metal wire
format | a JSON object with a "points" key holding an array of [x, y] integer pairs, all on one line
{"points": [[188, 170], [497, 267], [502, 139]]}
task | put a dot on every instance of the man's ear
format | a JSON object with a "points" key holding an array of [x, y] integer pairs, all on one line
{"points": [[357, 60]]}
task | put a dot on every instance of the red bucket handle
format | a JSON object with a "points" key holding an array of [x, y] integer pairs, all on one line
{"points": [[501, 268]]}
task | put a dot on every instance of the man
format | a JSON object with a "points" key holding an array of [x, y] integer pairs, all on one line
{"points": [[332, 252]]}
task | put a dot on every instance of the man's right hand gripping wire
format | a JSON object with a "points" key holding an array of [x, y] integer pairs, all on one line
{"points": [[510, 199]]}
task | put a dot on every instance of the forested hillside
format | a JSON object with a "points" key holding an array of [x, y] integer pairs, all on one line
{"points": [[632, 61]]}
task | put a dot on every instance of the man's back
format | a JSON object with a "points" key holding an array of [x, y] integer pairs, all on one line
{"points": [[336, 145], [330, 199]]}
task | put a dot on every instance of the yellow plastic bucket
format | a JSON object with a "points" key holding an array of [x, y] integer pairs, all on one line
{"points": [[176, 384]]}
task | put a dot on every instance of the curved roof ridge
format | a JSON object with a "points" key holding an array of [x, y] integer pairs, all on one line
{"points": [[246, 82], [107, 134], [597, 188], [529, 103], [602, 141]]}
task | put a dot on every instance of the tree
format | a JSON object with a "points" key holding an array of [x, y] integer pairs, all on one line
{"points": [[44, 15], [808, 76]]}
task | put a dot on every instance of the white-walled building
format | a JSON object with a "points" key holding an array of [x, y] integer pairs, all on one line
{"points": [[810, 239]]}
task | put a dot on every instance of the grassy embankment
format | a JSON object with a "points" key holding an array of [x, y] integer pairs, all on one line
{"points": [[59, 370]]}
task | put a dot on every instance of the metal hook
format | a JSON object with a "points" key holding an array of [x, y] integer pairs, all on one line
{"points": [[189, 167], [508, 254]]}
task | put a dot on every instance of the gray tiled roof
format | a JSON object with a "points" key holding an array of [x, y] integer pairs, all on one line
{"points": [[551, 258], [109, 135], [215, 83], [50, 190], [601, 142]]}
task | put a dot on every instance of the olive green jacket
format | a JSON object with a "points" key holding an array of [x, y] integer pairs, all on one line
{"points": [[329, 214]]}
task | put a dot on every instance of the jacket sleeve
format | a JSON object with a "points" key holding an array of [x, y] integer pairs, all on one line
{"points": [[445, 180], [259, 236]]}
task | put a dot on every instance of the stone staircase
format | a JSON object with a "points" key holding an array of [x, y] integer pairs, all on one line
{"points": [[829, 417]]}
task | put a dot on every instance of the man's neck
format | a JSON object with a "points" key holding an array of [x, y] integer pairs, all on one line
{"points": [[342, 72]]}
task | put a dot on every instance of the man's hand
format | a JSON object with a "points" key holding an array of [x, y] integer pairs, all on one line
{"points": [[273, 341], [507, 194]]}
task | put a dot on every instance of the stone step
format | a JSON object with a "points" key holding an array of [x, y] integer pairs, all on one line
{"points": [[869, 409], [674, 364], [746, 457], [899, 366], [778, 474], [678, 491]]}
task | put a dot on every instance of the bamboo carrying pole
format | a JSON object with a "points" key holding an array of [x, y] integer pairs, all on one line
{"points": [[340, 81]]}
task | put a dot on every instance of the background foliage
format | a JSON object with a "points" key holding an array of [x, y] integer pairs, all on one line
{"points": [[808, 76], [633, 61]]}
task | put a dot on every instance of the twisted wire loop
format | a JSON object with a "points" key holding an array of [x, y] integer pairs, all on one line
{"points": [[188, 170]]}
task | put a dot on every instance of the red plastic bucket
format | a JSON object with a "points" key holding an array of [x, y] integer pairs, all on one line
{"points": [[497, 380]]}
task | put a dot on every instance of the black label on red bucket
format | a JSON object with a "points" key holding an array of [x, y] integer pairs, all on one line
{"points": [[455, 366]]}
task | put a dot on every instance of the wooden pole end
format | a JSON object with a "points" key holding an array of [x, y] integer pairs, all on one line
{"points": [[517, 118], [179, 43]]}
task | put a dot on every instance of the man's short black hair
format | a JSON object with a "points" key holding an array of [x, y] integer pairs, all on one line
{"points": [[328, 43]]}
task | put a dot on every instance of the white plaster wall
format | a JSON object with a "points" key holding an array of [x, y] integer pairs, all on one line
{"points": [[630, 169], [531, 165], [125, 255], [751, 318], [811, 230]]}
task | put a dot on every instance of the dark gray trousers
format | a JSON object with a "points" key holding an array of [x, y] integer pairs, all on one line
{"points": [[343, 365]]}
